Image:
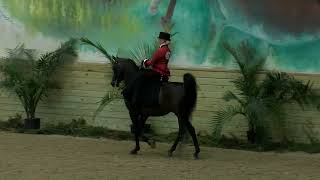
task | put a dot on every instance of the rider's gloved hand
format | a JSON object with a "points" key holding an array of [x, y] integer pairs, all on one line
{"points": [[143, 63]]}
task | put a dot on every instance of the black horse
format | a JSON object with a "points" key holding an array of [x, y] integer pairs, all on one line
{"points": [[178, 98]]}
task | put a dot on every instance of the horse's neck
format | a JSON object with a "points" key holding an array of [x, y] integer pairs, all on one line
{"points": [[129, 76]]}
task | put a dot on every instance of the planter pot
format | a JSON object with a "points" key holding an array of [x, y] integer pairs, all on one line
{"points": [[251, 136], [32, 123], [146, 129]]}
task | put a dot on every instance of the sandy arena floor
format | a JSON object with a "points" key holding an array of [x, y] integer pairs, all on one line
{"points": [[39, 157]]}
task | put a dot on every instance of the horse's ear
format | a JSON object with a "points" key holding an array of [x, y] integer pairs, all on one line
{"points": [[113, 60]]}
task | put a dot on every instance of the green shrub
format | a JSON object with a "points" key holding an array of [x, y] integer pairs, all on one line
{"points": [[30, 77], [260, 103]]}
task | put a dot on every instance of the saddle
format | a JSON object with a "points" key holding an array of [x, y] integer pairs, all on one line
{"points": [[150, 91], [145, 90]]}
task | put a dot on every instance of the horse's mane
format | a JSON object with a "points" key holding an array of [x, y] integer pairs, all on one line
{"points": [[128, 61]]}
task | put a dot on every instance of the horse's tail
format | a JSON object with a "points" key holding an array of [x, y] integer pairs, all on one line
{"points": [[190, 94], [188, 103]]}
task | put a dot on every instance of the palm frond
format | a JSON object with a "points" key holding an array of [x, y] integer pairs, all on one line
{"points": [[107, 98], [235, 55], [223, 116], [286, 88], [15, 71], [304, 94], [143, 51], [249, 64], [99, 47], [20, 52], [231, 96], [49, 62], [244, 87]]}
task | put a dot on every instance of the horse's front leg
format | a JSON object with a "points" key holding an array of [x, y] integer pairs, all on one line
{"points": [[134, 118], [136, 136]]}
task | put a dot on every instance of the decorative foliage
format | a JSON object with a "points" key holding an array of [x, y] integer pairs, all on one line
{"points": [[143, 51], [31, 78], [107, 98], [99, 47], [260, 102], [110, 95]]}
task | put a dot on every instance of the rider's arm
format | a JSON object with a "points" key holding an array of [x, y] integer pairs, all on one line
{"points": [[156, 56]]}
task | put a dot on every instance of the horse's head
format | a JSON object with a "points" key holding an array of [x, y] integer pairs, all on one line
{"points": [[118, 72], [122, 68]]}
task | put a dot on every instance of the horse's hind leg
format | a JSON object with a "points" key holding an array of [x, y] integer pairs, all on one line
{"points": [[174, 146], [151, 143], [194, 137]]}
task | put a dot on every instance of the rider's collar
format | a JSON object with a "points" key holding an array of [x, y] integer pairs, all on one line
{"points": [[165, 44]]}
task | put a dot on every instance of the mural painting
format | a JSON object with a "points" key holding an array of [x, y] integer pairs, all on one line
{"points": [[287, 32]]}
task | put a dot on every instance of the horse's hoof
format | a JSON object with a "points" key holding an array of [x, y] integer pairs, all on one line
{"points": [[196, 156], [134, 152], [170, 153], [153, 144]]}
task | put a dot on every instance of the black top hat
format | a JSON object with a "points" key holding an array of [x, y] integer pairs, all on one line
{"points": [[165, 36]]}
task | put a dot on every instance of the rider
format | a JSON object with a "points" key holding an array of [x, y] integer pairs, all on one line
{"points": [[160, 71], [160, 59]]}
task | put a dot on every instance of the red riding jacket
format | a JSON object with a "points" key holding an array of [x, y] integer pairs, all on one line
{"points": [[160, 60]]}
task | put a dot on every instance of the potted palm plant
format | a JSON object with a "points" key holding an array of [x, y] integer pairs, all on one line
{"points": [[30, 77], [260, 102]]}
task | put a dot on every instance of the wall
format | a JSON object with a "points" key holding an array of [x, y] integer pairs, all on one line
{"points": [[85, 84]]}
